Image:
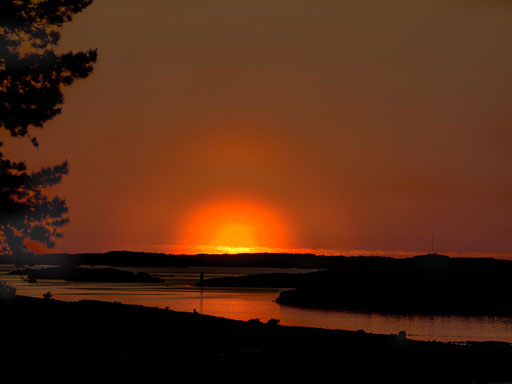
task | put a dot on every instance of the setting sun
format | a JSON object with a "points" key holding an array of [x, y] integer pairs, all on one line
{"points": [[235, 227], [235, 236]]}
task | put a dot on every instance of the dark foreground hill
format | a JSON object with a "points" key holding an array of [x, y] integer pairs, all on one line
{"points": [[428, 284], [98, 275], [93, 342]]}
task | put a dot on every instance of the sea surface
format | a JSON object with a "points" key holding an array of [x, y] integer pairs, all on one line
{"points": [[178, 293]]}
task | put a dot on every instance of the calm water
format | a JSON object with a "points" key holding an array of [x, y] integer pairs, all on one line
{"points": [[243, 304]]}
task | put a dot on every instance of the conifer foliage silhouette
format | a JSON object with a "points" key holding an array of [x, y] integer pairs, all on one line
{"points": [[32, 76]]}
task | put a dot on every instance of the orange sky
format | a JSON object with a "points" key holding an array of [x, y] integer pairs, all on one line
{"points": [[335, 126]]}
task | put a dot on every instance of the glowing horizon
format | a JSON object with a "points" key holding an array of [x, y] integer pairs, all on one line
{"points": [[235, 226], [180, 249]]}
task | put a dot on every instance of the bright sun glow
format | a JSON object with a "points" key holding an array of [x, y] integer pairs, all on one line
{"points": [[234, 227]]}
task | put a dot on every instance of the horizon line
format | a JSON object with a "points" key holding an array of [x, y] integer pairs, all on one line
{"points": [[299, 251]]}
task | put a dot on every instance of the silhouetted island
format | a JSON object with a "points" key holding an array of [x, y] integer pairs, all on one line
{"points": [[427, 284], [98, 275], [145, 259], [91, 341]]}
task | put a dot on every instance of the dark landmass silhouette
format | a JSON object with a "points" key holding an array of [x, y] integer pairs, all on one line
{"points": [[427, 284], [99, 275], [90, 341], [143, 259], [239, 260]]}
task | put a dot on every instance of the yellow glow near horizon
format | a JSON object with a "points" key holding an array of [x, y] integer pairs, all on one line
{"points": [[235, 235], [235, 227]]}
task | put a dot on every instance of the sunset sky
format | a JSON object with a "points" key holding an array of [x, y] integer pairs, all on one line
{"points": [[312, 126]]}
